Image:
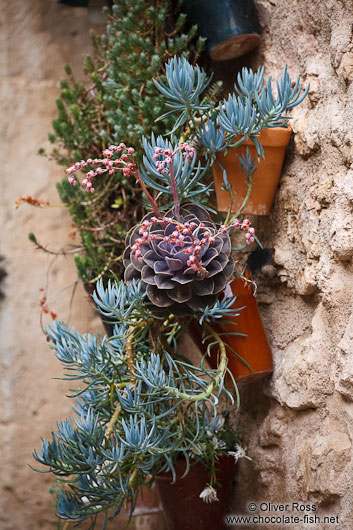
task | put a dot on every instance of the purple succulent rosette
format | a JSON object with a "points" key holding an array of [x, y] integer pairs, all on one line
{"points": [[182, 261]]}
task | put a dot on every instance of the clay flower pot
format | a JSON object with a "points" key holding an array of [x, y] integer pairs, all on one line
{"points": [[253, 347], [230, 26], [183, 508], [265, 179]]}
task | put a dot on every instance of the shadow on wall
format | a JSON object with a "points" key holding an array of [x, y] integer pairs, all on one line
{"points": [[3, 274]]}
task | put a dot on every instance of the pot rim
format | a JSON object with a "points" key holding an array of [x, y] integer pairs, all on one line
{"points": [[273, 136]]}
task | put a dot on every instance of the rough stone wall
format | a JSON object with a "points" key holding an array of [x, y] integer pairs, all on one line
{"points": [[300, 434], [297, 425]]}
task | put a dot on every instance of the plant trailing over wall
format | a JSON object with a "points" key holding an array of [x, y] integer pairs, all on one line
{"points": [[119, 103], [141, 405]]}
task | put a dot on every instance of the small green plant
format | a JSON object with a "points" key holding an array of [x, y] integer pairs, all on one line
{"points": [[119, 102]]}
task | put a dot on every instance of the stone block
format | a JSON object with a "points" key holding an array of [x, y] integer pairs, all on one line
{"points": [[301, 377], [341, 236], [321, 464]]}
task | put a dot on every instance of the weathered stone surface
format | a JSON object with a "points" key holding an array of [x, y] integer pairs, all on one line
{"points": [[301, 378], [309, 323], [306, 283], [341, 236], [346, 344], [344, 384], [346, 67], [322, 462]]}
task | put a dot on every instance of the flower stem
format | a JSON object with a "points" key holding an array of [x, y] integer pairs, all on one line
{"points": [[146, 192], [148, 195], [174, 191]]}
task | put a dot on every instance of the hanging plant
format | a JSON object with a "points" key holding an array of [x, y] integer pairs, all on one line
{"points": [[244, 136]]}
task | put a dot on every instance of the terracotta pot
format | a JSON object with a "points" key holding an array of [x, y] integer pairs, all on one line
{"points": [[265, 179], [253, 348], [183, 508], [231, 26]]}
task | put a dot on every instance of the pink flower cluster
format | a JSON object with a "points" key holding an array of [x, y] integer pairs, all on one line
{"points": [[163, 165], [244, 225], [109, 166], [183, 236]]}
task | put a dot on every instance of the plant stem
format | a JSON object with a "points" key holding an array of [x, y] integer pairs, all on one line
{"points": [[174, 191], [227, 187], [130, 353], [148, 195], [221, 369], [133, 476], [112, 421], [244, 201], [146, 192]]}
